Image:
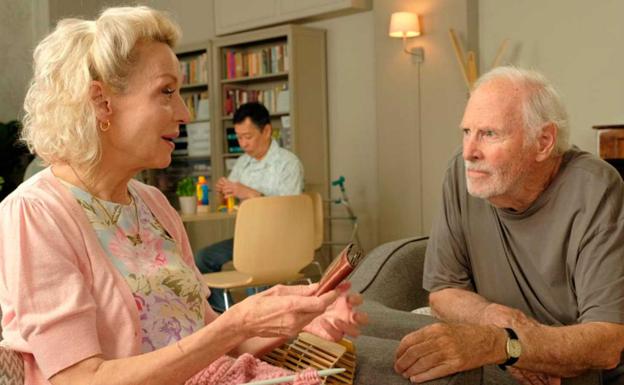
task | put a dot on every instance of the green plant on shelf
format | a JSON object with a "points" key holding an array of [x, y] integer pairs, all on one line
{"points": [[186, 187]]}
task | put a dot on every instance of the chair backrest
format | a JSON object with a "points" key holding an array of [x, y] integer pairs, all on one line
{"points": [[317, 207], [274, 237]]}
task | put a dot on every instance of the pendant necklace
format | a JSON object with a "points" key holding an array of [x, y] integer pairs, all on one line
{"points": [[114, 218]]}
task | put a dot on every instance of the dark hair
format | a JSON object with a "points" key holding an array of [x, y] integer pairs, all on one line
{"points": [[255, 111]]}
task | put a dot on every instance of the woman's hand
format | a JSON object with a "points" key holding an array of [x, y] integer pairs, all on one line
{"points": [[340, 318], [281, 311]]}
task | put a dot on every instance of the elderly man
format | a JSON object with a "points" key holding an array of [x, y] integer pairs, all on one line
{"points": [[265, 169], [526, 262]]}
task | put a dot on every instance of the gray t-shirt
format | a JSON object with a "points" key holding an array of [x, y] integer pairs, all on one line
{"points": [[561, 261]]}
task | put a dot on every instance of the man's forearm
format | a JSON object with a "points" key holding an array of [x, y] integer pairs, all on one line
{"points": [[568, 351], [562, 351], [457, 305]]}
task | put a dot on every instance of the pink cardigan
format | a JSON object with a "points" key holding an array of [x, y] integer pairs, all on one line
{"points": [[62, 299]]}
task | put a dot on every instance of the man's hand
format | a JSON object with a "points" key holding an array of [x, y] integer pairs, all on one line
{"points": [[221, 184], [236, 189], [443, 349]]}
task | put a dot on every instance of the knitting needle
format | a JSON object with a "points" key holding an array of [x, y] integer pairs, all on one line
{"points": [[279, 380]]}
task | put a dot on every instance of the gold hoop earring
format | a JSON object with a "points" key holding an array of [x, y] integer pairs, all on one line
{"points": [[105, 126]]}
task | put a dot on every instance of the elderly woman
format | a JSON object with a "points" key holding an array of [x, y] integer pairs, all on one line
{"points": [[98, 284]]}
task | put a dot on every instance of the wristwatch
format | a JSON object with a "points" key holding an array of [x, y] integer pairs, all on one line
{"points": [[513, 348]]}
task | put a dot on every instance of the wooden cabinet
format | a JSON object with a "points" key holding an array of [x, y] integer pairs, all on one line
{"points": [[283, 68], [241, 15], [611, 145]]}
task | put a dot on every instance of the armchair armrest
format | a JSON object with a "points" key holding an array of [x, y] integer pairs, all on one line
{"points": [[391, 275]]}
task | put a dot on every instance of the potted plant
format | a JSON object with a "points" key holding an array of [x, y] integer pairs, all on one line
{"points": [[186, 193]]}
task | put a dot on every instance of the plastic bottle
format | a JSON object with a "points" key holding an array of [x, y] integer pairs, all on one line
{"points": [[229, 203], [203, 192]]}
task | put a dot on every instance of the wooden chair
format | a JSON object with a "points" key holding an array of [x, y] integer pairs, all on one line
{"points": [[317, 208], [273, 240]]}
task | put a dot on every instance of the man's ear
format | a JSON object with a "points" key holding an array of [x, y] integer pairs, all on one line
{"points": [[268, 130], [100, 99], [546, 141]]}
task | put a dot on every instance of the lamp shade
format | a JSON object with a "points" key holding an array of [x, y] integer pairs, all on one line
{"points": [[404, 24]]}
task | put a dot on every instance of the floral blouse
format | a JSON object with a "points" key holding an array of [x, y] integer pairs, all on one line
{"points": [[168, 296]]}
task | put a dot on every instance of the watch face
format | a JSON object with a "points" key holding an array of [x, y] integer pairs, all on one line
{"points": [[514, 349]]}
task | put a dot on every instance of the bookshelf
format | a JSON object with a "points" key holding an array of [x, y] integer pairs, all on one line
{"points": [[283, 68], [193, 148]]}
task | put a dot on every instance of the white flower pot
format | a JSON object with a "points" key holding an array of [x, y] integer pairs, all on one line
{"points": [[188, 205]]}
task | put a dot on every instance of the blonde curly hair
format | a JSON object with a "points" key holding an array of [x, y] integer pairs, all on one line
{"points": [[60, 124]]}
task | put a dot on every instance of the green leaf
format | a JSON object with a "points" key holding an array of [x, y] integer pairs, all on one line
{"points": [[186, 187]]}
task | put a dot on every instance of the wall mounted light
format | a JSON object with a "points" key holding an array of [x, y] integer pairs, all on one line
{"points": [[404, 25]]}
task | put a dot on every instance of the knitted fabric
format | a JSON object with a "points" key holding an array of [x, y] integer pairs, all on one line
{"points": [[246, 368]]}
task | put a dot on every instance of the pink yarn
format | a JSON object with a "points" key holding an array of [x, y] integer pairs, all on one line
{"points": [[246, 368]]}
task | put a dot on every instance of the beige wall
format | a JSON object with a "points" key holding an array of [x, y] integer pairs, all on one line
{"points": [[60, 9], [19, 28], [195, 17], [351, 115], [413, 150], [577, 45]]}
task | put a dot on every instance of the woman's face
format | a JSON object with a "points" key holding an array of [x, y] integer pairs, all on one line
{"points": [[146, 117]]}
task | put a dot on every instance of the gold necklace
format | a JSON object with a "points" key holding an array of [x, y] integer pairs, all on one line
{"points": [[114, 218]]}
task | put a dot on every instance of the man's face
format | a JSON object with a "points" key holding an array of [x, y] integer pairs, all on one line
{"points": [[254, 142], [494, 149]]}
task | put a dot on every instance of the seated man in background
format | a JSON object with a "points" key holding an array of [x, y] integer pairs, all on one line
{"points": [[526, 262], [265, 169]]}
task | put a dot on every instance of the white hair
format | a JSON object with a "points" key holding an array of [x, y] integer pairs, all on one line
{"points": [[542, 104], [60, 124]]}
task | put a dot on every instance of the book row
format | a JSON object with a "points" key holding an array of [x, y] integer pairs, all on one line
{"points": [[198, 105], [194, 70], [276, 100], [267, 60]]}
